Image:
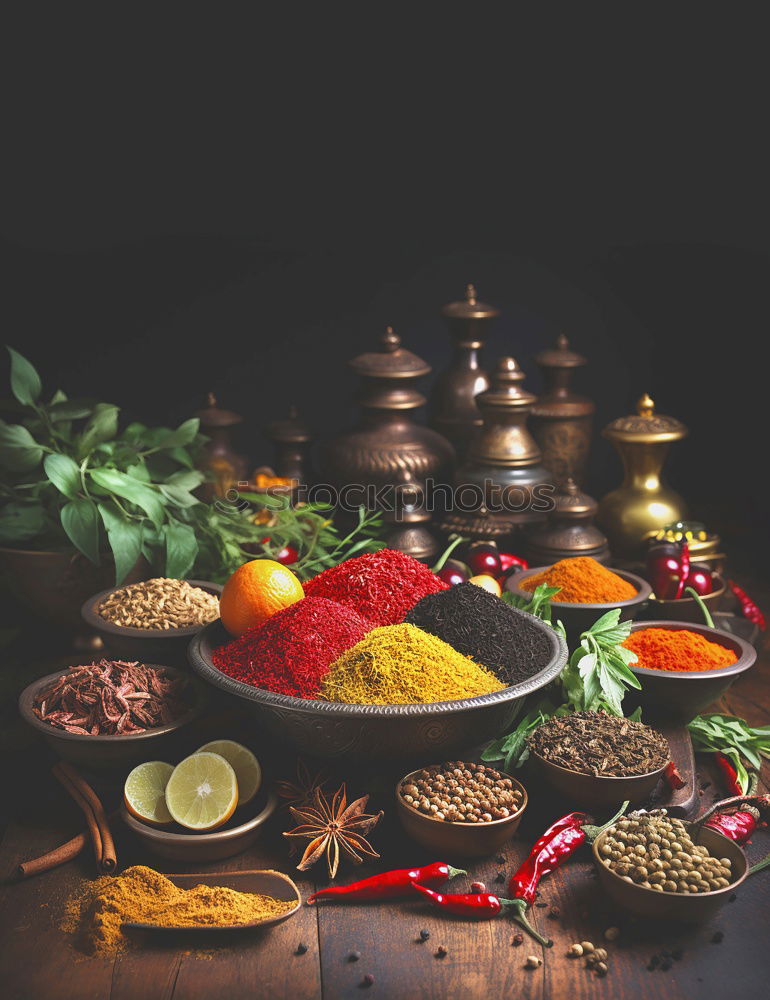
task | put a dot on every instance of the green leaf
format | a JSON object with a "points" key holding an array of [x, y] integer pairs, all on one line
{"points": [[186, 479], [181, 549], [125, 538], [70, 409], [131, 489], [64, 474], [18, 449], [19, 522], [25, 381], [81, 524], [181, 456], [103, 426], [184, 434]]}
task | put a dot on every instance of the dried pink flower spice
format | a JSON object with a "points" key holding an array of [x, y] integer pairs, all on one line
{"points": [[113, 698]]}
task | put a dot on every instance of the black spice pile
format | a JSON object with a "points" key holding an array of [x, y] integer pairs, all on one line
{"points": [[600, 744], [480, 625]]}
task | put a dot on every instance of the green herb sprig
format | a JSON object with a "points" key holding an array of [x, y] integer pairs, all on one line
{"points": [[733, 737], [538, 605]]}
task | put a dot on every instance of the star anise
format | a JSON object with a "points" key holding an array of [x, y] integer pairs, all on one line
{"points": [[302, 791], [332, 825]]}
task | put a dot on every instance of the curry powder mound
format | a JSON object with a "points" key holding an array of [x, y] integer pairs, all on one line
{"points": [[142, 895], [402, 665], [582, 581]]}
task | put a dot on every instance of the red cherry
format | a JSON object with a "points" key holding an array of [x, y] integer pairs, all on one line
{"points": [[484, 560], [453, 572], [285, 556], [511, 562], [701, 580]]}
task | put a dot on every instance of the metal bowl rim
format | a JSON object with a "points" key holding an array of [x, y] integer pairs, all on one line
{"points": [[711, 894], [644, 590], [206, 670], [91, 616], [27, 696], [463, 826], [215, 837], [744, 662]]}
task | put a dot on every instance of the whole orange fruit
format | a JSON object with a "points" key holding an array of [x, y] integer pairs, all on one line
{"points": [[255, 592]]}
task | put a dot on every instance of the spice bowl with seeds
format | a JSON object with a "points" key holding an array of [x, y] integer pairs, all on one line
{"points": [[599, 760], [655, 865], [153, 620], [460, 808]]}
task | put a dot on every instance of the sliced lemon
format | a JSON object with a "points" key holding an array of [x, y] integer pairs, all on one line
{"points": [[202, 793], [145, 792], [246, 766]]}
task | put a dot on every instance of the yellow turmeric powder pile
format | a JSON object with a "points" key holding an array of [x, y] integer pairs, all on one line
{"points": [[402, 665], [141, 895], [582, 581]]}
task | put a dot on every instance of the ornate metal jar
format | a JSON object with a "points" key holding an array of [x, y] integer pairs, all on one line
{"points": [[570, 530], [453, 410], [387, 440], [408, 521], [218, 457], [504, 469], [643, 503], [291, 439], [562, 420]]}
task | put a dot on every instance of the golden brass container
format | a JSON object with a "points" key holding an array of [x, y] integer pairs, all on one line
{"points": [[643, 503], [570, 531], [453, 410]]}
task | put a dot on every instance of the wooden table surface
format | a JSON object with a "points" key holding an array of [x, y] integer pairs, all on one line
{"points": [[38, 959]]}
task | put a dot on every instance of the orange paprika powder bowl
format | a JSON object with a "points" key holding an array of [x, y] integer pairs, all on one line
{"points": [[681, 695]]}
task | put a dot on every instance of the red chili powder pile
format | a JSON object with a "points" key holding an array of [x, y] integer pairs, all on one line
{"points": [[382, 586], [677, 650], [292, 651]]}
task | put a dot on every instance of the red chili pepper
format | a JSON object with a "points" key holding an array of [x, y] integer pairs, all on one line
{"points": [[739, 825], [481, 906], [748, 607], [672, 776], [390, 884], [729, 774], [559, 842], [684, 570]]}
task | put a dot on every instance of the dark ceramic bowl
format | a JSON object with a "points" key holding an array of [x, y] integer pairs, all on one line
{"points": [[179, 845], [682, 696], [579, 617], [376, 732], [143, 644], [686, 609], [467, 840], [597, 792], [108, 752], [674, 905]]}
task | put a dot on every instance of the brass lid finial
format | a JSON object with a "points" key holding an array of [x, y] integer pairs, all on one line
{"points": [[211, 400], [646, 406], [562, 344], [470, 294], [391, 340]]}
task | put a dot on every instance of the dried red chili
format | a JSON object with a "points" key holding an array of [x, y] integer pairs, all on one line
{"points": [[748, 607], [481, 906], [389, 885], [729, 774], [291, 652]]}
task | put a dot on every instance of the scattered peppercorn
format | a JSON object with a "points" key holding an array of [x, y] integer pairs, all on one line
{"points": [[665, 964], [600, 969], [732, 897], [301, 949], [587, 947], [533, 962], [354, 956], [554, 913], [478, 887], [441, 951], [612, 934], [368, 980], [575, 950], [517, 940], [424, 935], [600, 954], [458, 792], [541, 906], [718, 937]]}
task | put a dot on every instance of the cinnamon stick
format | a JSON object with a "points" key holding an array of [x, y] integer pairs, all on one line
{"points": [[96, 819], [58, 856]]}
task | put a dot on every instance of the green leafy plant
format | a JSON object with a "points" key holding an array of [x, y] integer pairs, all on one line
{"points": [[70, 477], [596, 678], [733, 737], [538, 605]]}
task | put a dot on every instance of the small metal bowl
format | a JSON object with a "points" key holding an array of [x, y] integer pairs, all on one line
{"points": [[597, 791], [687, 609], [471, 840], [577, 618], [214, 846], [682, 696], [143, 644], [674, 905], [109, 752]]}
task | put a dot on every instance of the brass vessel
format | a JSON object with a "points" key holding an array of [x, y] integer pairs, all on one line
{"points": [[570, 530], [561, 419], [408, 521], [643, 503], [453, 410], [218, 458], [504, 468], [291, 439], [387, 440]]}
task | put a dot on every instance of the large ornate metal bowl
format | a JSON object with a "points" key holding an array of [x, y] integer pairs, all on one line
{"points": [[377, 732]]}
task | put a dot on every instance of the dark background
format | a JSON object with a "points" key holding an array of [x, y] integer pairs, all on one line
{"points": [[244, 212]]}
